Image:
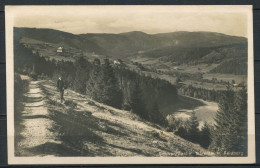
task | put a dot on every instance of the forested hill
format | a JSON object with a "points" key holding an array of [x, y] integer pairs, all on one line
{"points": [[190, 48], [56, 37], [116, 86], [127, 44]]}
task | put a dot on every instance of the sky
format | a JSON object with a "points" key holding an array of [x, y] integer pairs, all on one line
{"points": [[231, 20]]}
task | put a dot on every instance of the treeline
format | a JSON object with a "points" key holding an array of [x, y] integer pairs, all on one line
{"points": [[199, 55], [200, 93], [190, 76], [144, 94], [110, 84], [235, 66], [181, 55]]}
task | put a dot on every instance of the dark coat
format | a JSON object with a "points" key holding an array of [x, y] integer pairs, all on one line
{"points": [[60, 85]]}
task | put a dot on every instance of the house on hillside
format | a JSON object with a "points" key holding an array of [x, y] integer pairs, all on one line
{"points": [[116, 62], [235, 85], [26, 45], [60, 50], [34, 51], [93, 54]]}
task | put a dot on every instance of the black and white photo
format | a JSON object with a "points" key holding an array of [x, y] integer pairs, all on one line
{"points": [[130, 84]]}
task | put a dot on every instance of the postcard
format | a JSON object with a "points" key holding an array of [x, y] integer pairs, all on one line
{"points": [[130, 84]]}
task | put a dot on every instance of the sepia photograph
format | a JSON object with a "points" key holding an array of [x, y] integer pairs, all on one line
{"points": [[121, 84]]}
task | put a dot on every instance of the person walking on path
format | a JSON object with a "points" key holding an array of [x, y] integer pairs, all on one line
{"points": [[60, 87]]}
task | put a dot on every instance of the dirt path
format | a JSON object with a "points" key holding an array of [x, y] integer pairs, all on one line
{"points": [[35, 122]]}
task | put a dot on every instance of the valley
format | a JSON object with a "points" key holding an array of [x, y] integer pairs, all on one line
{"points": [[197, 58], [194, 62]]}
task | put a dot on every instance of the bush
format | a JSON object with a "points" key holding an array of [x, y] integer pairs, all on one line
{"points": [[182, 132], [53, 102], [126, 107], [70, 103], [189, 130], [155, 134], [20, 86]]}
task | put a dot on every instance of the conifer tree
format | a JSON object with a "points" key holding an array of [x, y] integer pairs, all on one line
{"points": [[94, 84], [81, 75], [241, 120], [230, 134], [111, 93], [103, 86], [136, 102], [182, 132], [221, 140], [205, 137], [193, 130], [154, 114]]}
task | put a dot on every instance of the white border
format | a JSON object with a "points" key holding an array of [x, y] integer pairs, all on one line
{"points": [[12, 11]]}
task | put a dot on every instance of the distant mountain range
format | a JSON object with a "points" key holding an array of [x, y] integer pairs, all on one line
{"points": [[180, 47], [124, 44]]}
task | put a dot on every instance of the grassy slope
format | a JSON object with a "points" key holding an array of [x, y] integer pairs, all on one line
{"points": [[94, 129]]}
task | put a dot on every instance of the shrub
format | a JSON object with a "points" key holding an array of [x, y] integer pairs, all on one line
{"points": [[70, 103]]}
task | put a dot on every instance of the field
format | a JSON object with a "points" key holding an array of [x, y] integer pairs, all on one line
{"points": [[169, 71], [226, 77]]}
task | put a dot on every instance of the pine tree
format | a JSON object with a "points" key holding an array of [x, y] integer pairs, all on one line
{"points": [[102, 85], [221, 142], [241, 120], [182, 132], [231, 123], [111, 92], [193, 130], [81, 75], [94, 84], [154, 114], [205, 136], [137, 103]]}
